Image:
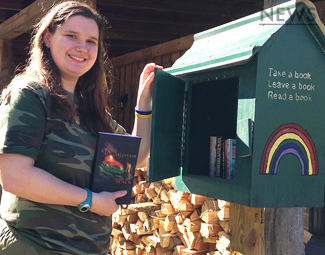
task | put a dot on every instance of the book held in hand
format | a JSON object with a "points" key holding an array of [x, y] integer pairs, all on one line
{"points": [[114, 164]]}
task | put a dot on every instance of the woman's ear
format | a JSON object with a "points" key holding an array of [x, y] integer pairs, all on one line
{"points": [[47, 38]]}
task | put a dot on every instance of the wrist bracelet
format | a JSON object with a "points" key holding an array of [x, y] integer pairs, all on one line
{"points": [[142, 112], [143, 116]]}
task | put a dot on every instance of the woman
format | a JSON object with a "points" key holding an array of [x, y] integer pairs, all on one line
{"points": [[50, 115]]}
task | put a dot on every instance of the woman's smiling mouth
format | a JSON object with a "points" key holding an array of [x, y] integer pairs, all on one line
{"points": [[77, 58]]}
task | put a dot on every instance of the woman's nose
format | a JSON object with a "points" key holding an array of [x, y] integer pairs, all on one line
{"points": [[81, 47]]}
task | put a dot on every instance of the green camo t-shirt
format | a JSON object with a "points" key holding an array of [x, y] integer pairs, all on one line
{"points": [[28, 127]]}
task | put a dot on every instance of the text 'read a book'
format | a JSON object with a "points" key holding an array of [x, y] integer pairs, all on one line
{"points": [[115, 163]]}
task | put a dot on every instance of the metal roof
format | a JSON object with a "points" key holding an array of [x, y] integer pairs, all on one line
{"points": [[236, 42]]}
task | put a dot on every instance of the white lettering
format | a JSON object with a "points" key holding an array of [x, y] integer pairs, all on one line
{"points": [[305, 76], [280, 82], [275, 96], [303, 98], [306, 86], [276, 73]]}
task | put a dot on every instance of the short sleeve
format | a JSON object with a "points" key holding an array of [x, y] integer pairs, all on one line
{"points": [[22, 123], [117, 128]]}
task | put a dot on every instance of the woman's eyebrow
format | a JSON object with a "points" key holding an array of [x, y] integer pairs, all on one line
{"points": [[74, 32]]}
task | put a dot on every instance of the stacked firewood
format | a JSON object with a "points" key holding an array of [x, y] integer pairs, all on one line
{"points": [[164, 221]]}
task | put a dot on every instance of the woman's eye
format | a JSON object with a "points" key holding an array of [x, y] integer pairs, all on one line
{"points": [[92, 42], [72, 36]]}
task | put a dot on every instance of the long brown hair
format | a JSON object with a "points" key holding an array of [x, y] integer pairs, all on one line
{"points": [[93, 88]]}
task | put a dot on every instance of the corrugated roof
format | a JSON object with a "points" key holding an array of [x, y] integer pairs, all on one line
{"points": [[233, 43]]}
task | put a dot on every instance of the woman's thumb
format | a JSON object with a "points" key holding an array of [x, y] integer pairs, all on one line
{"points": [[120, 193]]}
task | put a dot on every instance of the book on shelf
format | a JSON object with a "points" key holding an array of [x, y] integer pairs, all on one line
{"points": [[219, 157], [224, 159], [213, 156], [232, 159], [115, 163], [228, 158]]}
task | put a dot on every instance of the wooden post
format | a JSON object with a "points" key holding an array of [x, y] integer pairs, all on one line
{"points": [[7, 65], [284, 231], [266, 231], [247, 230]]}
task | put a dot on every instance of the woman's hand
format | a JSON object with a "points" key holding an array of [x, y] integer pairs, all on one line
{"points": [[104, 203], [144, 100], [142, 126]]}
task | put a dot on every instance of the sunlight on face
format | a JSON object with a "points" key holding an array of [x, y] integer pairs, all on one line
{"points": [[74, 48]]}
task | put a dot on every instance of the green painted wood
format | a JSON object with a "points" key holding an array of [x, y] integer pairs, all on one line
{"points": [[290, 90], [245, 134], [237, 41], [270, 100], [232, 43], [166, 127]]}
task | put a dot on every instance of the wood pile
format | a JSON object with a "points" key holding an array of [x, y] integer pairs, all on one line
{"points": [[164, 221]]}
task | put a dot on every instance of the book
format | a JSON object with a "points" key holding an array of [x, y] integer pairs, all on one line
{"points": [[224, 159], [219, 157], [115, 163], [228, 158], [232, 159], [213, 156]]}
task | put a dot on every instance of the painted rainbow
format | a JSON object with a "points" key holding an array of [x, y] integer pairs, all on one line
{"points": [[286, 140]]}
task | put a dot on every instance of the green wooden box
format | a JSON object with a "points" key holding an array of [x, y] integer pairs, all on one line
{"points": [[259, 79]]}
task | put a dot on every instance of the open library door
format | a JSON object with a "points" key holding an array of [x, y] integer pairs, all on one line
{"points": [[166, 139]]}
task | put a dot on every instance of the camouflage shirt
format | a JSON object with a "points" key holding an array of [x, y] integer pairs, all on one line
{"points": [[28, 127]]}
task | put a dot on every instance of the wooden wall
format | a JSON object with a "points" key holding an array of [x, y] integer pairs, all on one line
{"points": [[320, 7], [127, 70]]}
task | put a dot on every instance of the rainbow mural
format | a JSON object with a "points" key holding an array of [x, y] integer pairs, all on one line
{"points": [[289, 139]]}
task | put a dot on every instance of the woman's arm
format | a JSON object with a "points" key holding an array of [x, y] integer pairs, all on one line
{"points": [[19, 176], [142, 126]]}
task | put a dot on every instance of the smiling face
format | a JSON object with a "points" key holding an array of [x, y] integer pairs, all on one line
{"points": [[74, 48]]}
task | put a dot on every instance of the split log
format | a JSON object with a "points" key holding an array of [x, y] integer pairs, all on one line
{"points": [[197, 199], [170, 222], [188, 251]]}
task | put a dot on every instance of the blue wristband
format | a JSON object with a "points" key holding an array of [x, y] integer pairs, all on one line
{"points": [[86, 205], [142, 112]]}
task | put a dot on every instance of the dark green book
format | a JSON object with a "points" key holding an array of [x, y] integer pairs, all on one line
{"points": [[115, 163]]}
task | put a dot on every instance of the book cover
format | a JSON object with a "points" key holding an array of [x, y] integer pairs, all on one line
{"points": [[213, 155], [219, 157], [224, 159], [228, 158], [115, 163], [232, 159]]}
